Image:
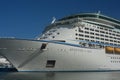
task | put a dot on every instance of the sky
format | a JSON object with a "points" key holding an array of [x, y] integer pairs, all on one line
{"points": [[27, 19]]}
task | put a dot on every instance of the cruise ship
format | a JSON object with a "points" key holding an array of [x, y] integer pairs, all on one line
{"points": [[79, 42]]}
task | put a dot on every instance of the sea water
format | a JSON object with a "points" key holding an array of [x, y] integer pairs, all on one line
{"points": [[59, 75]]}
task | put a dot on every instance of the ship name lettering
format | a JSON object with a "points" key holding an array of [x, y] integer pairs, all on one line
{"points": [[26, 49]]}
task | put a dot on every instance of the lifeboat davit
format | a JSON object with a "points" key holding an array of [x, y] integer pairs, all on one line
{"points": [[117, 50], [109, 49]]}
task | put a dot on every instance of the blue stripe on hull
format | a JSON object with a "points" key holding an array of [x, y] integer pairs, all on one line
{"points": [[57, 42]]}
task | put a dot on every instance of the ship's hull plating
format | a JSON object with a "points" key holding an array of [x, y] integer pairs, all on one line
{"points": [[27, 55]]}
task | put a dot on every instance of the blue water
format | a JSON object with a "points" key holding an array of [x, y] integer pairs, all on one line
{"points": [[59, 75]]}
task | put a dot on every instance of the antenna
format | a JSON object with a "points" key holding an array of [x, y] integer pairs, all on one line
{"points": [[98, 13], [54, 19]]}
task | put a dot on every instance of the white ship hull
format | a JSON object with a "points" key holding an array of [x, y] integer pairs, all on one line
{"points": [[26, 55], [81, 42]]}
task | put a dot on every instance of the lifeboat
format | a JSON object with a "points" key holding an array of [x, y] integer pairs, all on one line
{"points": [[117, 50], [109, 49]]}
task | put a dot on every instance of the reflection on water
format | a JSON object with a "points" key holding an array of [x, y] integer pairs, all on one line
{"points": [[60, 76]]}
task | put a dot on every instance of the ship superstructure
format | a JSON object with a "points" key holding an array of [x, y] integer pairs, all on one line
{"points": [[80, 42]]}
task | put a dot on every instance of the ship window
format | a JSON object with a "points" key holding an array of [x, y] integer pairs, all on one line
{"points": [[111, 37], [76, 34], [101, 35], [102, 32], [91, 36], [87, 39], [115, 38], [80, 30], [80, 38], [91, 33], [113, 34], [91, 29], [86, 32], [50, 63], [106, 32], [53, 36], [115, 41], [97, 37], [101, 28], [98, 41], [117, 35], [87, 28], [114, 31], [111, 43], [106, 29], [111, 40], [86, 36], [76, 38], [102, 38], [49, 34], [106, 36], [110, 30], [97, 34], [92, 40], [102, 42], [106, 39], [106, 43], [58, 33], [97, 30], [118, 32], [110, 33], [80, 35]]}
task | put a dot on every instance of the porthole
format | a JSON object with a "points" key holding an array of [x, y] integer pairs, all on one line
{"points": [[76, 34], [76, 38], [53, 36], [58, 33]]}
